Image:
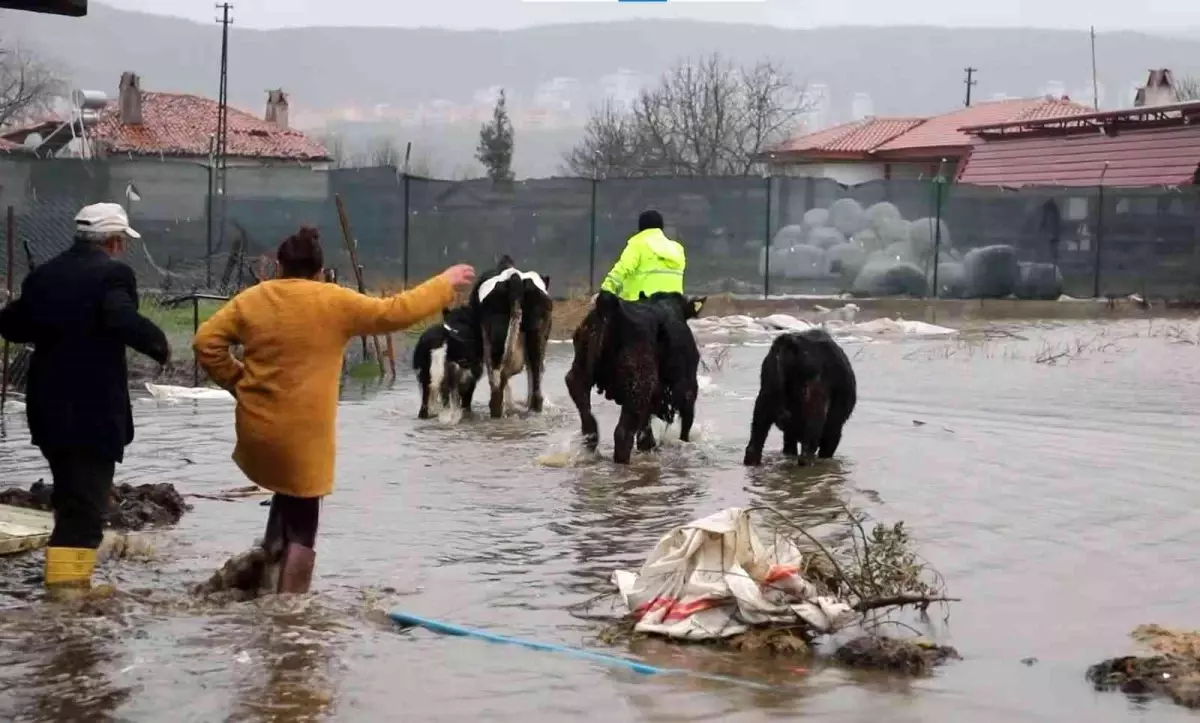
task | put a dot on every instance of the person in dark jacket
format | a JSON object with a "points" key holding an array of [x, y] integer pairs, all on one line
{"points": [[79, 311]]}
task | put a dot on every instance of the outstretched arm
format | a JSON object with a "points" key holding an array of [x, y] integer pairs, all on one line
{"points": [[621, 271], [366, 315], [213, 342], [120, 316]]}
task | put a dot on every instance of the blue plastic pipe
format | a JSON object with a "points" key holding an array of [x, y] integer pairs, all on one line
{"points": [[437, 626]]}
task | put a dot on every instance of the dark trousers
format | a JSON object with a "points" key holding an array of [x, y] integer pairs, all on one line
{"points": [[291, 520], [82, 483]]}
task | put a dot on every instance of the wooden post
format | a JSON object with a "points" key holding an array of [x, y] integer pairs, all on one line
{"points": [[352, 248], [10, 246]]}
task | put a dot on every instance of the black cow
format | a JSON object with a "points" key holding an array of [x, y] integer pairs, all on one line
{"points": [[513, 310], [448, 360], [807, 388], [641, 355]]}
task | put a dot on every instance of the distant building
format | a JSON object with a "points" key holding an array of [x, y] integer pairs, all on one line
{"points": [[176, 126], [861, 107], [1158, 90], [880, 148], [622, 87]]}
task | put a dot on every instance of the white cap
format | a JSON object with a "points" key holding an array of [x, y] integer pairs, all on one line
{"points": [[104, 218]]}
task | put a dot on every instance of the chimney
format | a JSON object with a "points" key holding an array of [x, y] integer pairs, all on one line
{"points": [[1159, 89], [130, 95], [277, 108]]}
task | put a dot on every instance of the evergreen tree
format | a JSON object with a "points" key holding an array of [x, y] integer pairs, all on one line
{"points": [[495, 149]]}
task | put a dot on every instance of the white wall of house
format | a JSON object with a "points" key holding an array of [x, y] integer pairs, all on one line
{"points": [[848, 173]]}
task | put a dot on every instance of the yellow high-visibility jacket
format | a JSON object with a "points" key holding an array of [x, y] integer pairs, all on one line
{"points": [[650, 263]]}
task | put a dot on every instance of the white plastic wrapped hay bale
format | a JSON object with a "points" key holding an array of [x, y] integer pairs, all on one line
{"points": [[778, 256], [815, 218], [951, 280], [825, 237], [869, 240], [847, 260], [899, 251], [805, 262], [922, 236], [1039, 281], [788, 236], [883, 276], [892, 231], [992, 272], [847, 216], [879, 215]]}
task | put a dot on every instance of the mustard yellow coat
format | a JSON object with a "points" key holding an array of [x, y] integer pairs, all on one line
{"points": [[294, 333]]}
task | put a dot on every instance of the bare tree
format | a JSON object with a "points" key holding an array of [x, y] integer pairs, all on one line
{"points": [[1187, 88], [335, 147], [705, 117], [29, 86], [383, 151]]}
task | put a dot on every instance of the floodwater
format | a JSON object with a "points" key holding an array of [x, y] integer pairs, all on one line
{"points": [[1056, 499]]}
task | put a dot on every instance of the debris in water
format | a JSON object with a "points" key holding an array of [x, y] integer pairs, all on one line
{"points": [[1173, 673], [796, 597], [241, 577], [909, 657], [129, 507]]}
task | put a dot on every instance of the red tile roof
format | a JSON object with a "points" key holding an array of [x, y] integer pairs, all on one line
{"points": [[175, 124], [1155, 157], [943, 131], [861, 136], [877, 137]]}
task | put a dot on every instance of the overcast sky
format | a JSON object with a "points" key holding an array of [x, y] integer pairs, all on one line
{"points": [[467, 14]]}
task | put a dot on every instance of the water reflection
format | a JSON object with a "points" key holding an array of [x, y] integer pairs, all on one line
{"points": [[292, 676], [68, 664]]}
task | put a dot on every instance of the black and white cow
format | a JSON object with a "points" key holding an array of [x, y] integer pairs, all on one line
{"points": [[513, 310], [641, 355], [807, 388], [448, 360]]}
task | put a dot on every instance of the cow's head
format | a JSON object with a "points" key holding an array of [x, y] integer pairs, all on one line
{"points": [[688, 306], [693, 307], [462, 335]]}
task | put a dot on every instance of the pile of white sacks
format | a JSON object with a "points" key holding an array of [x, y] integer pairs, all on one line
{"points": [[840, 323], [876, 252]]}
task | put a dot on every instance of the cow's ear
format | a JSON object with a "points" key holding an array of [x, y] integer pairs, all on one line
{"points": [[546, 282], [445, 311], [698, 304], [642, 296]]}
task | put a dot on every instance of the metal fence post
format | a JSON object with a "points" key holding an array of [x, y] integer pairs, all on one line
{"points": [[208, 236], [195, 328], [407, 214], [767, 243], [939, 189], [1099, 233], [10, 246], [592, 239]]}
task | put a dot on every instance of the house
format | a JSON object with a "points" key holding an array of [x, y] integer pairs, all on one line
{"points": [[177, 126], [1158, 90], [1147, 146], [882, 148], [161, 143]]}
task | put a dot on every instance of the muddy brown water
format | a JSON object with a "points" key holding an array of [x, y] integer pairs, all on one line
{"points": [[1057, 500]]}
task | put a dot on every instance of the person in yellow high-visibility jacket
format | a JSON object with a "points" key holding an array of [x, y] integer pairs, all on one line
{"points": [[651, 262]]}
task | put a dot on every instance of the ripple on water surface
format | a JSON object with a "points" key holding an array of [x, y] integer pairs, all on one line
{"points": [[1054, 497]]}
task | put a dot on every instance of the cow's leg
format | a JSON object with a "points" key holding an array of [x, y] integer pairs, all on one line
{"points": [[816, 411], [423, 380], [645, 438], [466, 390], [498, 383], [580, 389], [765, 408], [791, 443], [687, 409], [534, 356], [831, 435], [634, 417]]}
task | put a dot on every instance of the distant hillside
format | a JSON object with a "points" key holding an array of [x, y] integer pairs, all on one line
{"points": [[906, 70]]}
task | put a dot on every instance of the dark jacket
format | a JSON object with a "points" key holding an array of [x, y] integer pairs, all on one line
{"points": [[80, 311]]}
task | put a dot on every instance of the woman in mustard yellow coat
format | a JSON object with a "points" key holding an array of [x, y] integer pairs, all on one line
{"points": [[293, 330]]}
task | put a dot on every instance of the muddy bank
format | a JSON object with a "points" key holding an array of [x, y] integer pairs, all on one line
{"points": [[1173, 672], [129, 508]]}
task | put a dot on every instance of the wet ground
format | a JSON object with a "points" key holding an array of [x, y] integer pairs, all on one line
{"points": [[1052, 483]]}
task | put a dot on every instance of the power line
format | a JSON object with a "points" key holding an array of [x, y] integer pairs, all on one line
{"points": [[970, 82]]}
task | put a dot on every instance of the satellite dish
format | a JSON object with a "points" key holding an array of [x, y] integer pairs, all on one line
{"points": [[33, 140]]}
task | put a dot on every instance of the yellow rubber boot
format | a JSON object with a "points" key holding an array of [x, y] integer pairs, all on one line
{"points": [[69, 568]]}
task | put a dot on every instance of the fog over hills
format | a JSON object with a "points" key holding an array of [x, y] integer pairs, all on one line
{"points": [[348, 76]]}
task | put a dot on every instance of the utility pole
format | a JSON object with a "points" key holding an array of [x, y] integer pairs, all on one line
{"points": [[222, 138], [1095, 85], [970, 81]]}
